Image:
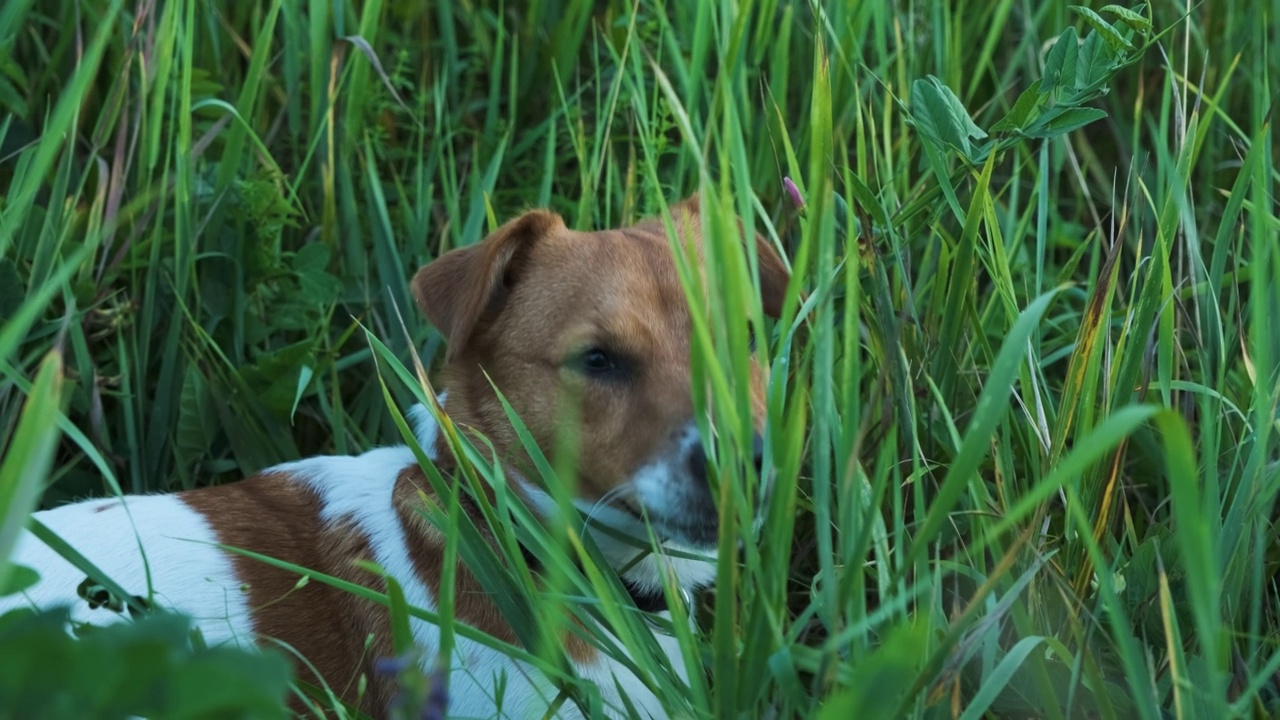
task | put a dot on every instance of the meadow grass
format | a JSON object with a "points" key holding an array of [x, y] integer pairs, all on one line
{"points": [[1025, 387]]}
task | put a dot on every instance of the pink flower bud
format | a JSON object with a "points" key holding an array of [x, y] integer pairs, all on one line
{"points": [[793, 192]]}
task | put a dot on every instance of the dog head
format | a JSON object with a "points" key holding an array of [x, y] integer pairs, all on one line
{"points": [[599, 318]]}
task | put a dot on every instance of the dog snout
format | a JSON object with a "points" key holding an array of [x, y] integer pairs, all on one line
{"points": [[698, 458], [698, 462]]}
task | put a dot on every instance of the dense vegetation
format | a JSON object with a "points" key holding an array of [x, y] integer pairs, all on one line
{"points": [[1025, 444]]}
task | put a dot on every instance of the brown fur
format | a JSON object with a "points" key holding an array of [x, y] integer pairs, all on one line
{"points": [[520, 304], [279, 516], [472, 604]]}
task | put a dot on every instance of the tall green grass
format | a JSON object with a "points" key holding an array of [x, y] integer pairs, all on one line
{"points": [[1025, 391]]}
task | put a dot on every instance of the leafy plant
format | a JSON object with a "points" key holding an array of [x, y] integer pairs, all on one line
{"points": [[147, 668]]}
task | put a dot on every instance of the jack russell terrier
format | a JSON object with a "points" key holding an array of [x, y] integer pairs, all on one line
{"points": [[536, 307]]}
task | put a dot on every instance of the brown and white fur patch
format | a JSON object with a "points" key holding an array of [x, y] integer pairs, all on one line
{"points": [[537, 308]]}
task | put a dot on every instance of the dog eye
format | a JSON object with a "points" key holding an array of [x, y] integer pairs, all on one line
{"points": [[600, 362]]}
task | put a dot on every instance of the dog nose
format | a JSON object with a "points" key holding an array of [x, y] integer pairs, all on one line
{"points": [[698, 458], [698, 463]]}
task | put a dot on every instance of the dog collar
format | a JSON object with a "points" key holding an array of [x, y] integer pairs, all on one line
{"points": [[649, 601]]}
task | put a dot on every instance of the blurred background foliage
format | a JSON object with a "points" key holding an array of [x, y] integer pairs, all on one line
{"points": [[202, 203]]}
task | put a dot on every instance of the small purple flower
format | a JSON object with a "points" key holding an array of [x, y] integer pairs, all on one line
{"points": [[793, 192], [390, 665], [437, 704], [419, 695]]}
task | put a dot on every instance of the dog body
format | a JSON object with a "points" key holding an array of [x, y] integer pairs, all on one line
{"points": [[321, 513], [545, 313]]}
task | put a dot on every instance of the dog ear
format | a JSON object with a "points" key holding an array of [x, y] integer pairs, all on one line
{"points": [[691, 205], [774, 277], [458, 288]]}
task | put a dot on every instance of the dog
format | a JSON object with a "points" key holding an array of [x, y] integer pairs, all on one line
{"points": [[536, 309]]}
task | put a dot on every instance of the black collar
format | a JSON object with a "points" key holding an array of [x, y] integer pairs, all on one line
{"points": [[646, 600], [650, 601]]}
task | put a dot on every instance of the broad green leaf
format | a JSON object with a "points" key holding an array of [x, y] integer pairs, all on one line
{"points": [[1132, 18], [878, 681], [941, 116], [20, 578], [1113, 36], [1060, 64], [313, 257], [1023, 111], [305, 373], [1095, 63], [147, 668], [1062, 120]]}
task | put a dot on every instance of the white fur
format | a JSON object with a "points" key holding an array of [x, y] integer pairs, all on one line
{"points": [[189, 574], [661, 486]]}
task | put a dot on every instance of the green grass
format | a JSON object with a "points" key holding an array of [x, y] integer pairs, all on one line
{"points": [[1025, 444]]}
